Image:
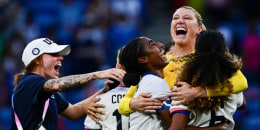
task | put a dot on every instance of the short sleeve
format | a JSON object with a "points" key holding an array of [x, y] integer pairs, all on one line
{"points": [[62, 104], [154, 85], [32, 85], [240, 99]]}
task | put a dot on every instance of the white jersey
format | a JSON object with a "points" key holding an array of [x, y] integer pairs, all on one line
{"points": [[112, 120], [159, 89], [214, 117]]}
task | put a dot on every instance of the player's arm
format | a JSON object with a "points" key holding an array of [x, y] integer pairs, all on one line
{"points": [[178, 121], [239, 82], [143, 103], [75, 81], [185, 92], [123, 107]]}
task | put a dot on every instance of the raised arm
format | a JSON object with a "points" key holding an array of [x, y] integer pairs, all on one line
{"points": [[74, 81]]}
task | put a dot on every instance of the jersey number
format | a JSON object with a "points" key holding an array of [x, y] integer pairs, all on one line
{"points": [[215, 118], [118, 119]]}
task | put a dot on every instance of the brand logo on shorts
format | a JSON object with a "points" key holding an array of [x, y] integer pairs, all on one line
{"points": [[36, 51]]}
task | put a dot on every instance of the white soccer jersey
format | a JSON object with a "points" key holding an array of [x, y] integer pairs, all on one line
{"points": [[159, 89], [213, 117], [112, 120]]}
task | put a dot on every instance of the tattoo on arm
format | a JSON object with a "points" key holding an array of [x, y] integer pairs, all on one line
{"points": [[68, 82]]}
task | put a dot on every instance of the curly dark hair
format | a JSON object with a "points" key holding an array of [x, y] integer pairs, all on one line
{"points": [[210, 66]]}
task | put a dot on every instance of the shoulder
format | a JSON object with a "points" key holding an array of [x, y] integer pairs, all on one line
{"points": [[32, 78], [152, 80]]}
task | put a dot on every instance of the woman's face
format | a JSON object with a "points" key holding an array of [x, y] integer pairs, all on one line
{"points": [[184, 27], [51, 64], [155, 53]]}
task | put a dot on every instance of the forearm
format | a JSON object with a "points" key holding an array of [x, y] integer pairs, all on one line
{"points": [[238, 81], [166, 117], [124, 108], [124, 104], [74, 112], [179, 121], [68, 82]]}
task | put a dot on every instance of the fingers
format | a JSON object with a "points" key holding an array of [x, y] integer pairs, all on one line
{"points": [[179, 83], [96, 99], [94, 116], [95, 110], [176, 98], [144, 104], [118, 74]]}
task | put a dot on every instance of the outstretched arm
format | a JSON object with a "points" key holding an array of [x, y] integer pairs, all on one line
{"points": [[74, 81]]}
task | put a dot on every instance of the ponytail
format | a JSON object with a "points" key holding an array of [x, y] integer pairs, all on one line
{"points": [[28, 68], [17, 78]]}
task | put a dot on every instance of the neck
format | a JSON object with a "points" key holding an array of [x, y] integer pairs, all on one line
{"points": [[37, 71], [183, 50], [157, 72]]}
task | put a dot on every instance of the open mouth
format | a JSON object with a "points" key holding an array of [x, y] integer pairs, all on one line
{"points": [[181, 31], [162, 55], [57, 67]]}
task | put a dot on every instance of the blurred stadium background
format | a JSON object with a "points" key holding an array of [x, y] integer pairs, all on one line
{"points": [[95, 29]]}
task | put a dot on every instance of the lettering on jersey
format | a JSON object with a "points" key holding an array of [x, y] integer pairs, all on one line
{"points": [[117, 97]]}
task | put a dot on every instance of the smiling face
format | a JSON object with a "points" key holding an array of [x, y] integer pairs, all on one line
{"points": [[50, 65], [185, 27], [155, 53]]}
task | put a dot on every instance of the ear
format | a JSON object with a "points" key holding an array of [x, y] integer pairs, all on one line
{"points": [[200, 30], [36, 61], [143, 59]]}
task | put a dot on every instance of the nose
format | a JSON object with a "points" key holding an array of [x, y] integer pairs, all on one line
{"points": [[159, 45], [180, 20], [60, 57]]}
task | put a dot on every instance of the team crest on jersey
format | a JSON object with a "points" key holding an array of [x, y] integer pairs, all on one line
{"points": [[167, 102], [35, 51]]}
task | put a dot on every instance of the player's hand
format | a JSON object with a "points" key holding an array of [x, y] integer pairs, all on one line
{"points": [[184, 92], [144, 104], [91, 108], [113, 73], [107, 85]]}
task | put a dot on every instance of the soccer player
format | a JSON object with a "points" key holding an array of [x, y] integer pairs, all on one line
{"points": [[211, 65], [111, 120]]}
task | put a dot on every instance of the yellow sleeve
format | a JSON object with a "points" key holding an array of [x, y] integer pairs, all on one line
{"points": [[123, 107], [239, 82]]}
